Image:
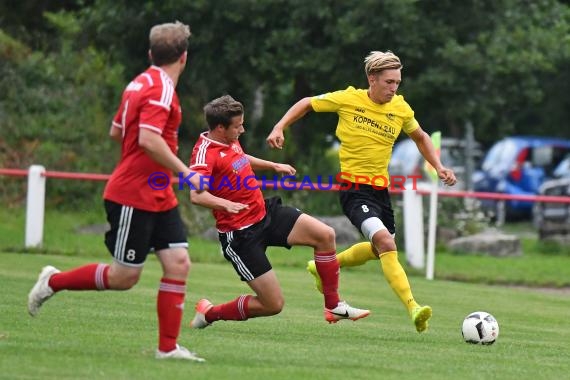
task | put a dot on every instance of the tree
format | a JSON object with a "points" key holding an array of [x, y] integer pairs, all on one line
{"points": [[497, 68], [54, 106], [502, 65], [488, 62]]}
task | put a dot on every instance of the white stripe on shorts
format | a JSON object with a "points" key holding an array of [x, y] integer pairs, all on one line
{"points": [[178, 245], [241, 268], [123, 232]]}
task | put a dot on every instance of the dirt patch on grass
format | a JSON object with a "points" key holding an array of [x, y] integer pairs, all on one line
{"points": [[558, 291]]}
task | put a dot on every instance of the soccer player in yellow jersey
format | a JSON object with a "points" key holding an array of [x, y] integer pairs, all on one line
{"points": [[369, 121]]}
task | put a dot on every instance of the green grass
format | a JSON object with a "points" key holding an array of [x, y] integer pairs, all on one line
{"points": [[112, 335], [541, 265], [538, 270]]}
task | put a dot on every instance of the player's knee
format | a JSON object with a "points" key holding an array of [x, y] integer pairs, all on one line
{"points": [[177, 263], [275, 306], [184, 264], [124, 281], [383, 241], [327, 234]]}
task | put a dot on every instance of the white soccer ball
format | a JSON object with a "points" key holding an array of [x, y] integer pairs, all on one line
{"points": [[480, 327]]}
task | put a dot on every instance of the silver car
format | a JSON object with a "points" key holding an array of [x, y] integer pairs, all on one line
{"points": [[554, 218]]}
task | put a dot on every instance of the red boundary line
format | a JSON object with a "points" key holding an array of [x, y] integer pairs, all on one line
{"points": [[304, 186]]}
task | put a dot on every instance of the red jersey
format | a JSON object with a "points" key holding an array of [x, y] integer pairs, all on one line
{"points": [[150, 102], [230, 177]]}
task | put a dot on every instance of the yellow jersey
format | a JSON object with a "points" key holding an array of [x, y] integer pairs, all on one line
{"points": [[366, 130]]}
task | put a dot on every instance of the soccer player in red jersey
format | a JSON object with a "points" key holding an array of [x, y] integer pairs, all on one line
{"points": [[248, 224], [140, 203]]}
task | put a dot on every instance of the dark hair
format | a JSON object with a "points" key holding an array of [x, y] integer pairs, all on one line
{"points": [[221, 111], [168, 42]]}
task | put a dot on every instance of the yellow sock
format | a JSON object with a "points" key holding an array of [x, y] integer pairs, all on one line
{"points": [[397, 278], [356, 255]]}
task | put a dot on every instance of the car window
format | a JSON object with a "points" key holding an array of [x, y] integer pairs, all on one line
{"points": [[500, 157], [542, 156], [548, 157], [563, 169]]}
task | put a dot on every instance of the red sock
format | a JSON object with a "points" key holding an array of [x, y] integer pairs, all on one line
{"points": [[87, 277], [328, 269], [236, 310], [169, 306]]}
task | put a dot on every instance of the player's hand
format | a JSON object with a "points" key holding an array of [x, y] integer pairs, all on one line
{"points": [[234, 207], [276, 138], [285, 169], [447, 176]]}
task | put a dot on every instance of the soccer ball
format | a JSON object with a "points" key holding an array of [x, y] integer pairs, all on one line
{"points": [[480, 327]]}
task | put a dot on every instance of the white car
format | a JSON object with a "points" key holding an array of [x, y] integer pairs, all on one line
{"points": [[454, 154]]}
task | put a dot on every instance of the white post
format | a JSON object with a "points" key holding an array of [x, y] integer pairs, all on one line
{"points": [[432, 226], [413, 228], [35, 206]]}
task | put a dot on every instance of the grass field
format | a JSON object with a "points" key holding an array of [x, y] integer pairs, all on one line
{"points": [[112, 335], [541, 265]]}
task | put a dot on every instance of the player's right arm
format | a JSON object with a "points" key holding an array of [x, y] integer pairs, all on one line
{"points": [[297, 111], [208, 200], [156, 147]]}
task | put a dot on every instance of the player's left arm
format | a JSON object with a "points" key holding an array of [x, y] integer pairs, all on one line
{"points": [[259, 164], [206, 199], [426, 148]]}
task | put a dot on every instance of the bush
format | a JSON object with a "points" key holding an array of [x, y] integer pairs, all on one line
{"points": [[56, 111]]}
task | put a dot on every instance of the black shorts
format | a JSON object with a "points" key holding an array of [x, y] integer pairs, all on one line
{"points": [[367, 202], [245, 249], [134, 232]]}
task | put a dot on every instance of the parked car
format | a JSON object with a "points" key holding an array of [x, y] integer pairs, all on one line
{"points": [[407, 159], [518, 165], [554, 218]]}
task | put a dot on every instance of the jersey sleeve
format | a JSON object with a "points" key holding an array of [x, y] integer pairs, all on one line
{"points": [[203, 159], [155, 108], [329, 102], [119, 119], [410, 123]]}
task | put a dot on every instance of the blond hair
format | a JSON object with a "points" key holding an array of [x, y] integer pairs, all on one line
{"points": [[168, 42], [378, 61]]}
